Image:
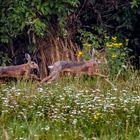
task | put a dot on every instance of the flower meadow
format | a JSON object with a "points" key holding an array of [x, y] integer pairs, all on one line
{"points": [[71, 109]]}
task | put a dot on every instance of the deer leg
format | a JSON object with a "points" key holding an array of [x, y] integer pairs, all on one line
{"points": [[97, 74], [34, 77], [45, 79], [26, 75], [51, 77], [92, 72]]}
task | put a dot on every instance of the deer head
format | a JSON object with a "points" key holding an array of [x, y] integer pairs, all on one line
{"points": [[32, 64], [93, 60]]}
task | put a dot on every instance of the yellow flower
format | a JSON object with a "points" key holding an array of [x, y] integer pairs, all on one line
{"points": [[127, 40], [108, 44], [97, 115], [117, 44], [114, 38], [120, 44], [80, 53], [114, 55]]}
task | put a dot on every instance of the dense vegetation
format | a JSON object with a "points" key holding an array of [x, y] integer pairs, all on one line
{"points": [[79, 107], [71, 109], [33, 26]]}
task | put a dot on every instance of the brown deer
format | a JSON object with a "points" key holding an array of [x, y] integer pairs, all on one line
{"points": [[89, 67], [23, 70]]}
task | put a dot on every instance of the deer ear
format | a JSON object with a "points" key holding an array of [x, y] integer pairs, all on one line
{"points": [[92, 52], [28, 57]]}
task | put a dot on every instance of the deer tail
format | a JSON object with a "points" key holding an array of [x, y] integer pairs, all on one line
{"points": [[50, 67]]}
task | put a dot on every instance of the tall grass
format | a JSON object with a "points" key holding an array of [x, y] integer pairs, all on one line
{"points": [[77, 108]]}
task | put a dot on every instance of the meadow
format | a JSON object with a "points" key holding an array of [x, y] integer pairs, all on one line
{"points": [[71, 108]]}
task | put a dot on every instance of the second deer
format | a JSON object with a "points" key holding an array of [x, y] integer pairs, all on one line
{"points": [[89, 67], [22, 70]]}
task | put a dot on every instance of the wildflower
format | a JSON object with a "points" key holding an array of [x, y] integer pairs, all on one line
{"points": [[97, 115], [126, 40], [114, 55], [114, 38], [109, 44], [40, 89], [117, 44], [74, 122], [115, 89], [80, 53], [120, 44]]}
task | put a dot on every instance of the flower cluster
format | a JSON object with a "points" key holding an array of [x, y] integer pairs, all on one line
{"points": [[59, 107], [115, 42], [116, 51]]}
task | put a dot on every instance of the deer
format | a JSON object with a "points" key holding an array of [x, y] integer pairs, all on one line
{"points": [[22, 70], [89, 67]]}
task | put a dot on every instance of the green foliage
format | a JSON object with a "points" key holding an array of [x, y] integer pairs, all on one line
{"points": [[4, 59], [116, 52], [135, 3], [70, 109], [18, 16], [115, 48], [91, 39], [94, 19], [115, 17]]}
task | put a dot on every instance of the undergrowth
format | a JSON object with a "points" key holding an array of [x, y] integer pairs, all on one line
{"points": [[72, 108]]}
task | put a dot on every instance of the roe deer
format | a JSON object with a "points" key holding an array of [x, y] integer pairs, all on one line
{"points": [[20, 70], [86, 67]]}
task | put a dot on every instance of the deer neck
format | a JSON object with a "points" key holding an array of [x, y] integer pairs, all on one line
{"points": [[26, 66]]}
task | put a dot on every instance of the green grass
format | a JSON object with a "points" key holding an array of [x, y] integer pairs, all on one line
{"points": [[71, 109]]}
